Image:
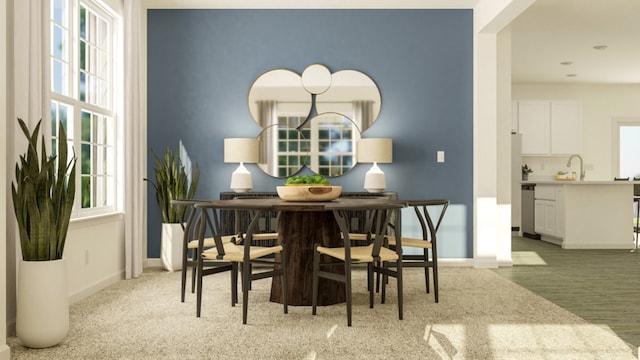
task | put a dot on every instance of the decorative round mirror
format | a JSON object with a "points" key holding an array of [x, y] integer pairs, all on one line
{"points": [[277, 94], [354, 94], [316, 79], [333, 139], [283, 151], [347, 103]]}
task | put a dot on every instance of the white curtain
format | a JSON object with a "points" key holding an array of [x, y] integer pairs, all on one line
{"points": [[268, 120], [135, 144], [363, 114], [31, 42]]}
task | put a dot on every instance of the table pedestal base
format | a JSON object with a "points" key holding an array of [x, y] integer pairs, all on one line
{"points": [[299, 231]]}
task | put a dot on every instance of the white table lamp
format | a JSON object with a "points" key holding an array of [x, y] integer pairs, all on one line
{"points": [[241, 150], [375, 150]]}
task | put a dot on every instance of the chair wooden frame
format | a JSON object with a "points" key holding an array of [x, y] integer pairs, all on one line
{"points": [[374, 255], [191, 247], [245, 254], [428, 241]]}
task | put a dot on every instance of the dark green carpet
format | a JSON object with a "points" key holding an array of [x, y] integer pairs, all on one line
{"points": [[601, 286]]}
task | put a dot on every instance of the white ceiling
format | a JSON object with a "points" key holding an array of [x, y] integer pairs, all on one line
{"points": [[553, 31]]}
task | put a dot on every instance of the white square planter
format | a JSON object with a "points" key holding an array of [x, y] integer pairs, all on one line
{"points": [[171, 248]]}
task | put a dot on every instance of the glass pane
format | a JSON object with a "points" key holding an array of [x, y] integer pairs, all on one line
{"points": [[103, 34], [83, 85], [101, 160], [305, 146], [83, 23], [64, 120], [86, 127], [86, 192], [91, 28], [92, 59], [59, 77], [54, 147], [59, 12], [99, 191], [58, 44], [54, 118], [85, 159], [83, 55]]}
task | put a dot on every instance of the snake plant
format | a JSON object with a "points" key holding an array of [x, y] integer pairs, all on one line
{"points": [[172, 183], [43, 197]]}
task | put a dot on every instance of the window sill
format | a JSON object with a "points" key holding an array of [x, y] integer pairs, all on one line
{"points": [[95, 219]]}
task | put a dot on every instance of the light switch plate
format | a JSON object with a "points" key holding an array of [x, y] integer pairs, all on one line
{"points": [[440, 156]]}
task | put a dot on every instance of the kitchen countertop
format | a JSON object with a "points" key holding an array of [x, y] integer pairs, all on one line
{"points": [[570, 182]]}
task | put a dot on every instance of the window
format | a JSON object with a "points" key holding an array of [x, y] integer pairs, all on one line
{"points": [[626, 135], [83, 79], [292, 148], [335, 140]]}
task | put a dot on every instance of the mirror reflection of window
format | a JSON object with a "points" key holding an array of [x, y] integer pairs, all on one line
{"points": [[332, 139], [293, 149], [283, 149]]}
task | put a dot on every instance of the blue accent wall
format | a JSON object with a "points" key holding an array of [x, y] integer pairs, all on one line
{"points": [[201, 64]]}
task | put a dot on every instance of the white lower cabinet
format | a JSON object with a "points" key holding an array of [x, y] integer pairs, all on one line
{"points": [[549, 205]]}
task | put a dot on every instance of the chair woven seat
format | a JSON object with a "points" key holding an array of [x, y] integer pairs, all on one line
{"points": [[209, 242], [410, 242], [359, 254], [235, 252]]}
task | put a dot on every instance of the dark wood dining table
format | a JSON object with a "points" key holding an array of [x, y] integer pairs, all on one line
{"points": [[301, 225]]}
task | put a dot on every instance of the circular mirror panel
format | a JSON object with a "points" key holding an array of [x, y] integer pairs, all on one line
{"points": [[316, 78], [278, 94], [333, 139], [353, 94], [283, 151]]}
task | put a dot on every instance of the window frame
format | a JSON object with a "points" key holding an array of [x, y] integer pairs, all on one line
{"points": [[113, 192]]}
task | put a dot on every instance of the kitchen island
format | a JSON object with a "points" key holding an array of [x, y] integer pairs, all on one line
{"points": [[585, 214]]}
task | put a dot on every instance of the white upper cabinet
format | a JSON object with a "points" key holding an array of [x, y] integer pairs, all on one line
{"points": [[566, 127], [549, 127]]}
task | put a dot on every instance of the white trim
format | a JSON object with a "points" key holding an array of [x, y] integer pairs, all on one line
{"points": [[5, 99], [309, 4], [95, 287]]}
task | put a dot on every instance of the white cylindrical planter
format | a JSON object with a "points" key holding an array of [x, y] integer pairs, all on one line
{"points": [[42, 318], [171, 247]]}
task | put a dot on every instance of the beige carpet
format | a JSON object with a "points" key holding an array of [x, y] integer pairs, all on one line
{"points": [[480, 316]]}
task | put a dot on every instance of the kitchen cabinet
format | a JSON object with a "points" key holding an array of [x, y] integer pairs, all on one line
{"points": [[585, 214], [549, 127], [549, 204]]}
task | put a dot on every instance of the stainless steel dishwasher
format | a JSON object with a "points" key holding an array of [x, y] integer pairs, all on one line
{"points": [[528, 211]]}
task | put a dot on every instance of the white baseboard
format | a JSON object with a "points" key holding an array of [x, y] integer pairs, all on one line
{"points": [[152, 263], [5, 352], [459, 262], [96, 286]]}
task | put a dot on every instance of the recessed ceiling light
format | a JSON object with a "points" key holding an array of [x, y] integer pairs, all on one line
{"points": [[566, 63], [572, 75], [600, 47]]}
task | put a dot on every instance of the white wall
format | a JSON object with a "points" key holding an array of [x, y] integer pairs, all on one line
{"points": [[94, 252], [600, 104], [4, 100]]}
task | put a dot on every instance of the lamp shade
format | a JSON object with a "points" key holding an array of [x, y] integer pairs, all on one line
{"points": [[375, 150], [241, 150]]}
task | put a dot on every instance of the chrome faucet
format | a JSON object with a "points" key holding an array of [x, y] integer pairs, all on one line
{"points": [[581, 165]]}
